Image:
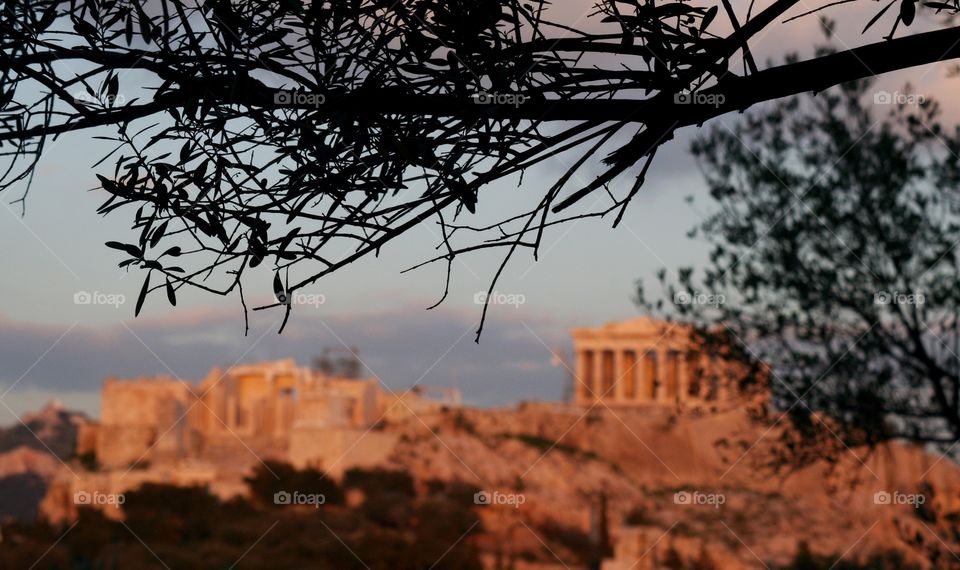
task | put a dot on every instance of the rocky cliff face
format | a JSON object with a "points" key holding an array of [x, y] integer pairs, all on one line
{"points": [[646, 487], [53, 430], [31, 452], [656, 483]]}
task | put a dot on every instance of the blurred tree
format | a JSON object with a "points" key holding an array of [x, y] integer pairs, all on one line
{"points": [[318, 132], [377, 480], [165, 512], [833, 261], [190, 528], [272, 477]]}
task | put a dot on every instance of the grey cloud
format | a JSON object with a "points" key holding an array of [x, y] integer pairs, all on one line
{"points": [[402, 347]]}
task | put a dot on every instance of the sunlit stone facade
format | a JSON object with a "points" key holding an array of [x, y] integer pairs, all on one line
{"points": [[642, 362], [253, 406]]}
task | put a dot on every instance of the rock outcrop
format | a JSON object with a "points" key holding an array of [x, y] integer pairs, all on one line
{"points": [[688, 485], [31, 453]]}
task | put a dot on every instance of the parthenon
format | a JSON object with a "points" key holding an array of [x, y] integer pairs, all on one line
{"points": [[640, 362]]}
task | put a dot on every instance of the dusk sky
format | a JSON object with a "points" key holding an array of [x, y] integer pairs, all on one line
{"points": [[51, 347]]}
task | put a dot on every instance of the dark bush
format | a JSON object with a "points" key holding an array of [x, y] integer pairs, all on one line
{"points": [[379, 480]]}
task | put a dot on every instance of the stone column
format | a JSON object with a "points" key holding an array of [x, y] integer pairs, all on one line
{"points": [[645, 376], [580, 393], [631, 365], [662, 371], [640, 378], [619, 377], [272, 411], [683, 377], [597, 375], [231, 419]]}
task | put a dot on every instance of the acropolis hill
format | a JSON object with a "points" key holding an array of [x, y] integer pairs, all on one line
{"points": [[671, 427], [213, 432], [272, 409], [309, 418]]}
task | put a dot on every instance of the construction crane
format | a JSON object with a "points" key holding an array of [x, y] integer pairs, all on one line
{"points": [[446, 395], [339, 361]]}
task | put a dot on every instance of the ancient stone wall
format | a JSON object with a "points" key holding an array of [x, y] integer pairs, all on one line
{"points": [[140, 417], [166, 430], [140, 402], [335, 450]]}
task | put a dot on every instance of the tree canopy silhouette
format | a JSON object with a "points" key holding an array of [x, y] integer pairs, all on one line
{"points": [[307, 135], [833, 261]]}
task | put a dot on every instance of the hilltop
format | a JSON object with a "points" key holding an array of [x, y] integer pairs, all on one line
{"points": [[30, 454], [570, 466], [568, 481]]}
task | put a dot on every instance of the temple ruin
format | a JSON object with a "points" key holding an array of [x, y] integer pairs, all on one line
{"points": [[260, 407], [642, 362], [214, 432]]}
